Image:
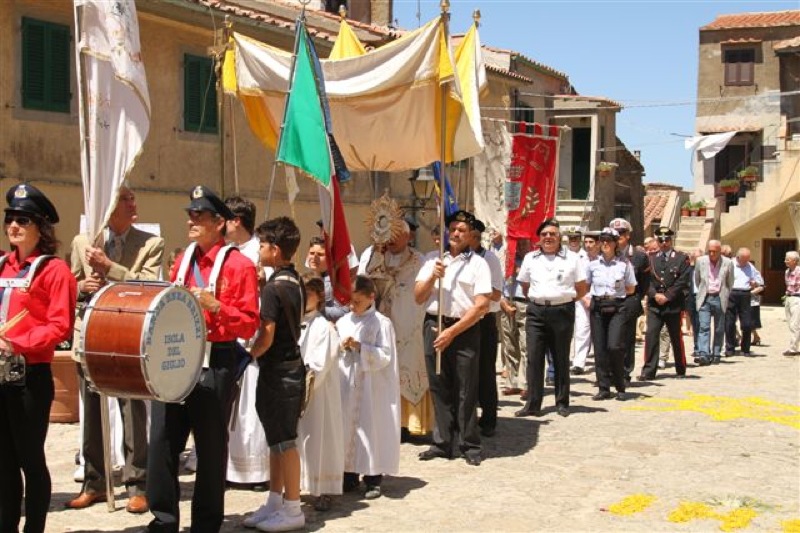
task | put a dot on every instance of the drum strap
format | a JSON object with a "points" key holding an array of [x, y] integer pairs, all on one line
{"points": [[23, 280], [188, 262]]}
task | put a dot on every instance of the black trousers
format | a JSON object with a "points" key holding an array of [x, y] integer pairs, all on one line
{"points": [[738, 307], [658, 317], [487, 376], [205, 412], [134, 421], [24, 419], [548, 328], [609, 332], [633, 310], [454, 391]]}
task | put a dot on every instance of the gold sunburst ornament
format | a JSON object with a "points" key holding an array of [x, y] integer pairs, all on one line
{"points": [[384, 220]]}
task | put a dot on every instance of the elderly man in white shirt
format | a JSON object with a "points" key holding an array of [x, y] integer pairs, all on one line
{"points": [[745, 278]]}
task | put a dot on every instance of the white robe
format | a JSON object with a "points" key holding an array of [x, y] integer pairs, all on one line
{"points": [[319, 433], [248, 453], [370, 395]]}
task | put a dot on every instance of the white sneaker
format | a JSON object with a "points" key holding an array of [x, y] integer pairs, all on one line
{"points": [[662, 364], [78, 475], [280, 521], [259, 515]]}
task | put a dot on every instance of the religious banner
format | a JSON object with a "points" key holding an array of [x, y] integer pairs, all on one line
{"points": [[530, 188], [491, 167]]}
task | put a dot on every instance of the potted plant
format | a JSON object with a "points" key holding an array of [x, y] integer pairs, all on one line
{"points": [[729, 186], [604, 168], [701, 208], [692, 209], [685, 208], [749, 173]]}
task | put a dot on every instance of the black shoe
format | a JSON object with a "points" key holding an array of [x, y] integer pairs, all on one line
{"points": [[702, 361], [680, 376], [715, 360], [431, 454], [627, 380], [748, 354], [644, 377], [488, 432], [622, 396], [526, 412], [729, 353], [473, 460], [602, 395], [563, 411], [350, 485], [576, 371]]}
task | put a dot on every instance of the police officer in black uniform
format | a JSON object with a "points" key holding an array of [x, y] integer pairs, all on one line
{"points": [[665, 301], [633, 302]]}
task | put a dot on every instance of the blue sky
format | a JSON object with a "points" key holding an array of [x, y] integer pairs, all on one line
{"points": [[634, 52]]}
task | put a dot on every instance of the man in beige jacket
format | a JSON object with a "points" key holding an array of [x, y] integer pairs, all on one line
{"points": [[128, 254]]}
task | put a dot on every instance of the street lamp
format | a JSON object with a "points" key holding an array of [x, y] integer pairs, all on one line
{"points": [[422, 185]]}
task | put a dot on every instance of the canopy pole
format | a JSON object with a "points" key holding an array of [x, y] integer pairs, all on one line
{"points": [[445, 7]]}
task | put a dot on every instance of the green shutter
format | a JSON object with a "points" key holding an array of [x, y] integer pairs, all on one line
{"points": [[199, 95], [45, 66]]}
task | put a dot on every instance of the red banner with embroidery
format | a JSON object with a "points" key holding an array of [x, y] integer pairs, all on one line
{"points": [[531, 185]]}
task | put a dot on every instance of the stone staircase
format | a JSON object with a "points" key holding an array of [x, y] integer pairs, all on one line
{"points": [[689, 234], [574, 213]]}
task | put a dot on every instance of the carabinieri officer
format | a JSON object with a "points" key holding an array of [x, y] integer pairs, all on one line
{"points": [[467, 282], [553, 278], [611, 278]]}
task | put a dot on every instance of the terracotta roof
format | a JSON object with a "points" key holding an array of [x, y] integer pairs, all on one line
{"points": [[658, 187], [788, 44], [742, 40], [539, 66], [508, 73], [283, 15], [767, 19], [599, 99], [654, 204]]}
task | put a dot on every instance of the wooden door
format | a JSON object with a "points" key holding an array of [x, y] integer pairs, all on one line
{"points": [[581, 156], [773, 268]]}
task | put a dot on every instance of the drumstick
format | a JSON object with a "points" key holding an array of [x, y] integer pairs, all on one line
{"points": [[13, 321]]}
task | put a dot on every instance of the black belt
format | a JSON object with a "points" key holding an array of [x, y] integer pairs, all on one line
{"points": [[608, 298], [520, 300], [741, 290], [446, 320], [793, 295]]}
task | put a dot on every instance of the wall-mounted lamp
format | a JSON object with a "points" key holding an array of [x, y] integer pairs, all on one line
{"points": [[777, 231], [422, 184]]}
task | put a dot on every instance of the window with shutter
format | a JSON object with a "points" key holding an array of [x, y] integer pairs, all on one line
{"points": [[199, 95], [45, 66], [739, 66]]}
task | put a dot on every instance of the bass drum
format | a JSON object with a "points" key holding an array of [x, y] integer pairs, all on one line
{"points": [[143, 340]]}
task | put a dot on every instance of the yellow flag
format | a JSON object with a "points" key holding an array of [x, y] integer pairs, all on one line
{"points": [[347, 43]]}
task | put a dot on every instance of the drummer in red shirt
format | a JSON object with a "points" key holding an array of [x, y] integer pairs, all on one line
{"points": [[230, 306], [38, 298]]}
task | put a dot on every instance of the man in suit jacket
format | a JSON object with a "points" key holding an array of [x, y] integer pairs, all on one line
{"points": [[128, 254], [713, 277], [665, 301]]}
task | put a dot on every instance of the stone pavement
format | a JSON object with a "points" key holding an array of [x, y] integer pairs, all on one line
{"points": [[727, 436]]}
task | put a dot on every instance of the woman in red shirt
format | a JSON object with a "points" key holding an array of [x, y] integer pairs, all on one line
{"points": [[37, 310]]}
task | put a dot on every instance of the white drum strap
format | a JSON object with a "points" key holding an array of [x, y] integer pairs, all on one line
{"points": [[9, 284], [211, 286]]}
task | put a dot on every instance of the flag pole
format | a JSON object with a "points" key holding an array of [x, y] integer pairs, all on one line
{"points": [[105, 416], [219, 60], [445, 7]]}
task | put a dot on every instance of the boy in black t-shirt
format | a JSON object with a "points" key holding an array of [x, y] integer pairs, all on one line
{"points": [[281, 379]]}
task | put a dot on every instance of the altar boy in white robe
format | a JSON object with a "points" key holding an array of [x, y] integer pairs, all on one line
{"points": [[370, 392], [319, 433]]}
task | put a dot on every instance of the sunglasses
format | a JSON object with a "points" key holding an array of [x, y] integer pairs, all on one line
{"points": [[21, 220]]}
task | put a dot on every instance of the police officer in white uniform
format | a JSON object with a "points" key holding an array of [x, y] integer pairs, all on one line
{"points": [[553, 278], [611, 278], [466, 281]]}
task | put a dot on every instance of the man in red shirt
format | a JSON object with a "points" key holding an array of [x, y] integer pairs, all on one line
{"points": [[230, 308]]}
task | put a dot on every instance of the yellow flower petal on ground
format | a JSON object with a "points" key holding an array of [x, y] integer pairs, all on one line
{"points": [[791, 526], [724, 408], [737, 519], [688, 511], [635, 503]]}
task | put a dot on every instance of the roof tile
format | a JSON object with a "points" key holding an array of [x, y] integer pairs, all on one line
{"points": [[754, 20]]}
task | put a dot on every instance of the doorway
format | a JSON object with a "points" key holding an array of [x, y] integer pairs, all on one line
{"points": [[773, 268], [581, 171]]}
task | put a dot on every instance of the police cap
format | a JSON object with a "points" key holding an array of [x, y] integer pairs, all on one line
{"points": [[573, 231], [664, 232], [462, 216], [609, 234], [593, 234], [25, 198], [204, 199], [620, 224]]}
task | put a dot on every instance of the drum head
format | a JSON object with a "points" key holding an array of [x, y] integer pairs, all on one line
{"points": [[173, 344]]}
